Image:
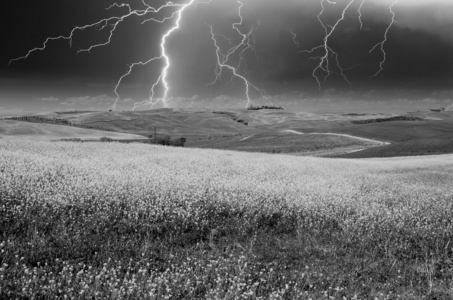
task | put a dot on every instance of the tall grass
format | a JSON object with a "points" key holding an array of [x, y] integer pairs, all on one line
{"points": [[115, 221]]}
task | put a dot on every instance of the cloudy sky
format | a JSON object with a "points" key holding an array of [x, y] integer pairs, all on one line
{"points": [[417, 73]]}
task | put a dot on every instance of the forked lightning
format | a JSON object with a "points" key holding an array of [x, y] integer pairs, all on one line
{"points": [[329, 60], [324, 69], [381, 44], [223, 60]]}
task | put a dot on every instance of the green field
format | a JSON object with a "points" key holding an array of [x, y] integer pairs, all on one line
{"points": [[134, 221]]}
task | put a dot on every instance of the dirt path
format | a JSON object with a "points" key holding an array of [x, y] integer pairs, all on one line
{"points": [[293, 131], [246, 138], [339, 134]]}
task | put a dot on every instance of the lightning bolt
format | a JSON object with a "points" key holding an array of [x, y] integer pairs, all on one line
{"points": [[294, 35], [324, 60], [360, 13], [382, 44], [111, 24], [325, 64], [100, 25], [224, 58], [329, 62], [164, 74]]}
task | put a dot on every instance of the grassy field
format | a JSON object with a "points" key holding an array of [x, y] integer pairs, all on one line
{"points": [[189, 124], [116, 221], [427, 146], [55, 132], [222, 130], [396, 131], [289, 143]]}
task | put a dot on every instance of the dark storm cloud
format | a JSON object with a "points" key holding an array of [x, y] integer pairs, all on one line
{"points": [[416, 55], [36, 21], [435, 17], [419, 49]]}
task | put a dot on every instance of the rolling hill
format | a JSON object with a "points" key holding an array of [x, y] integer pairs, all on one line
{"points": [[396, 131], [426, 146], [291, 142], [166, 121], [54, 132], [415, 133]]}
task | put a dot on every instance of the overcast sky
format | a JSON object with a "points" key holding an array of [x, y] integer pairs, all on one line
{"points": [[417, 73]]}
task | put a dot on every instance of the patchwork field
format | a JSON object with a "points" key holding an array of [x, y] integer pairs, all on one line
{"points": [[117, 221]]}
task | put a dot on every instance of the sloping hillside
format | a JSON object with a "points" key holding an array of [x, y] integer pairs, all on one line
{"points": [[53, 132], [97, 219], [288, 142], [166, 121], [427, 146], [396, 131], [422, 132]]}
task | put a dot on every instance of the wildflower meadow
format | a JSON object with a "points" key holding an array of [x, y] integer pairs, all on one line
{"points": [[135, 221]]}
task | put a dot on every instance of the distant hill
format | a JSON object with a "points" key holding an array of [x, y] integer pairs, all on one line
{"points": [[414, 133], [429, 146], [166, 121], [53, 132], [292, 143], [396, 131]]}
